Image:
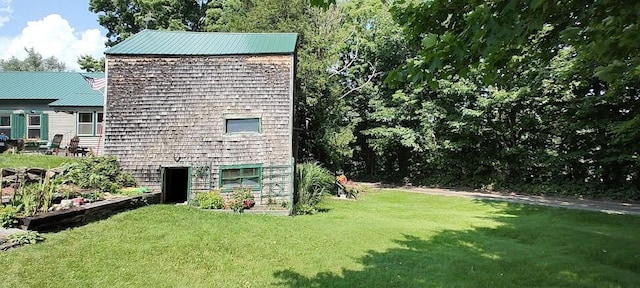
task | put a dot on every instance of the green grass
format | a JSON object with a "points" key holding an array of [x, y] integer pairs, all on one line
{"points": [[385, 239], [8, 160]]}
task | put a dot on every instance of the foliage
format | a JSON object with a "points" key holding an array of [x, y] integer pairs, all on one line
{"points": [[90, 64], [25, 238], [32, 198], [8, 217], [353, 190], [125, 179], [311, 182], [209, 200], [131, 191], [123, 18], [241, 198], [102, 173], [540, 96], [33, 62], [408, 239]]}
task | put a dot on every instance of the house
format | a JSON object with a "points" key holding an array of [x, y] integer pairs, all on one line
{"points": [[37, 105], [188, 111]]}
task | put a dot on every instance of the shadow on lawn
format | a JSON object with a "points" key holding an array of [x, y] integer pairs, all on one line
{"points": [[530, 247]]}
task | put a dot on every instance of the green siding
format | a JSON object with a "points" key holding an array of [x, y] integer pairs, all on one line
{"points": [[150, 42]]}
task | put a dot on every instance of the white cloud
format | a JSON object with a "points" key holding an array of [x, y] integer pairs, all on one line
{"points": [[54, 36], [5, 11]]}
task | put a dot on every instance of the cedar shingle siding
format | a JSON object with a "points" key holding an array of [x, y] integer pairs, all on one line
{"points": [[170, 111]]}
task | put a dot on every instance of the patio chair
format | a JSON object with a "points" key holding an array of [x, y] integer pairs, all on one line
{"points": [[54, 146], [72, 149]]}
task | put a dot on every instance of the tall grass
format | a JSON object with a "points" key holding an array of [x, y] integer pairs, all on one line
{"points": [[312, 181]]}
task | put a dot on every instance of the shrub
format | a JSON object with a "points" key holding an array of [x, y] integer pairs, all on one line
{"points": [[209, 200], [311, 182], [25, 238], [241, 199], [103, 173], [8, 217], [125, 179]]}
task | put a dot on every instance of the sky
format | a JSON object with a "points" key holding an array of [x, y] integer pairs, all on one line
{"points": [[65, 29]]}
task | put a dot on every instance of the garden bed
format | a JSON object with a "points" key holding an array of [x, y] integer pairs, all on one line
{"points": [[80, 215]]}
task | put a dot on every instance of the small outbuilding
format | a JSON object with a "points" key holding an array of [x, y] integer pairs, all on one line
{"points": [[188, 111]]}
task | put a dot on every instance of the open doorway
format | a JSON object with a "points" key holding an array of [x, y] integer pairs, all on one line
{"points": [[175, 184]]}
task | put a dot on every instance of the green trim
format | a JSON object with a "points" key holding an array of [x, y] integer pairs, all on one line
{"points": [[162, 186], [240, 167], [189, 182], [44, 126]]}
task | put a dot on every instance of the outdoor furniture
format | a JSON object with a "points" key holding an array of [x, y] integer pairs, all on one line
{"points": [[16, 144], [3, 142], [74, 149], [53, 146]]}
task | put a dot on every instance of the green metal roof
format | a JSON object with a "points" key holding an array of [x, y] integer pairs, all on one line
{"points": [[152, 42], [68, 86], [80, 100]]}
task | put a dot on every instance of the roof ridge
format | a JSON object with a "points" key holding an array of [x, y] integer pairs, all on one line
{"points": [[215, 32]]}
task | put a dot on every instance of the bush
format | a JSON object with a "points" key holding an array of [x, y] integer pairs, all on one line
{"points": [[125, 179], [8, 217], [209, 200], [103, 173], [311, 182], [241, 199], [25, 238]]}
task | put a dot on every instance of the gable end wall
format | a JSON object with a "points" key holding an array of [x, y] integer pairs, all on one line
{"points": [[169, 111]]}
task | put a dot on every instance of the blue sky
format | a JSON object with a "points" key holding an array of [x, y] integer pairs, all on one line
{"points": [[65, 29]]}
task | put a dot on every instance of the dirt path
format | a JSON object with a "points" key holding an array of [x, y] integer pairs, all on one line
{"points": [[591, 205]]}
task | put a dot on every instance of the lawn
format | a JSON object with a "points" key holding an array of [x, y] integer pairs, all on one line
{"points": [[32, 160], [385, 239]]}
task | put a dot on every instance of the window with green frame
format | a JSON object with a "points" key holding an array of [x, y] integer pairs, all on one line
{"points": [[247, 176]]}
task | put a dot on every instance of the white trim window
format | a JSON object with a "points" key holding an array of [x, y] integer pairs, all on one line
{"points": [[5, 125], [85, 124], [89, 123], [33, 126]]}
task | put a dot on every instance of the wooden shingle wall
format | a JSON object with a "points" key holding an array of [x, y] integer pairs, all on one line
{"points": [[169, 111]]}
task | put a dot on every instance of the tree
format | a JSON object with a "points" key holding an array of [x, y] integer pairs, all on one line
{"points": [[90, 64], [123, 18], [33, 62], [563, 106]]}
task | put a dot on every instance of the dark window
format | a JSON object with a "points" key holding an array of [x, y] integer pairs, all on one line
{"points": [[5, 124], [249, 176], [99, 123]]}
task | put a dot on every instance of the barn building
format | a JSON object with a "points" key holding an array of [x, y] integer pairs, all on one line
{"points": [[189, 111]]}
